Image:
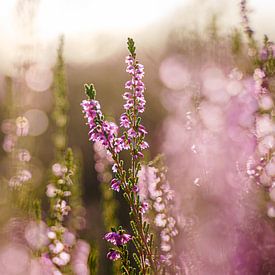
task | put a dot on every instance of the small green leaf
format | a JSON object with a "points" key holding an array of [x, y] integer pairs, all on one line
{"points": [[90, 91], [131, 46]]}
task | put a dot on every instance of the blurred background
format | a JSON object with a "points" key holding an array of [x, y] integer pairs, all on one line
{"points": [[199, 113]]}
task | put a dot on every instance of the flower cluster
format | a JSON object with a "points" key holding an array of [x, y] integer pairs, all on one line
{"points": [[132, 140], [155, 188], [61, 240], [59, 251], [263, 170], [135, 104], [244, 17], [119, 239], [100, 129], [107, 132]]}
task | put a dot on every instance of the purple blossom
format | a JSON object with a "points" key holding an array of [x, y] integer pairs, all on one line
{"points": [[113, 255], [135, 189], [115, 184], [129, 60], [117, 239], [144, 207], [118, 145], [126, 142], [129, 84], [111, 237], [144, 145], [135, 103], [131, 133], [127, 95], [106, 132], [142, 130], [124, 121], [100, 130], [130, 69], [123, 239]]}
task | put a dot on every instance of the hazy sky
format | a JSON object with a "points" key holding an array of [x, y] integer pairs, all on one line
{"points": [[90, 25]]}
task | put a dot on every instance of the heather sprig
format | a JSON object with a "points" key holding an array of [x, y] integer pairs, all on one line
{"points": [[132, 140], [252, 44], [156, 191], [59, 191], [63, 190], [262, 168]]}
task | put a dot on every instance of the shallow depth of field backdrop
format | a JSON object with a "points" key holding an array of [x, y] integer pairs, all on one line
{"points": [[200, 114]]}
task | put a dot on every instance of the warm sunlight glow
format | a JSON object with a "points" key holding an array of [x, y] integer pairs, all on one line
{"points": [[86, 16]]}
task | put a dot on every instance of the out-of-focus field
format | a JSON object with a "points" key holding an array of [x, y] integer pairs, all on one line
{"points": [[199, 114]]}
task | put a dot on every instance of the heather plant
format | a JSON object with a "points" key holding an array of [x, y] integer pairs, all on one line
{"points": [[59, 191], [155, 189], [262, 167], [60, 122], [125, 179], [63, 191]]}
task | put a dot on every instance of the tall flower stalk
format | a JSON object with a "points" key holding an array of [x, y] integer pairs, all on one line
{"points": [[63, 190], [262, 168], [252, 44], [59, 191], [126, 179], [59, 114], [155, 189], [263, 171]]}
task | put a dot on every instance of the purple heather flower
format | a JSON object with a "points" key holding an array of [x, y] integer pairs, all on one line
{"points": [[138, 155], [144, 207], [127, 95], [113, 255], [136, 99], [126, 142], [124, 121], [129, 84], [131, 133], [129, 60], [100, 130], [135, 188], [111, 237], [142, 130], [115, 184], [144, 145], [130, 69], [123, 239], [118, 145], [117, 239]]}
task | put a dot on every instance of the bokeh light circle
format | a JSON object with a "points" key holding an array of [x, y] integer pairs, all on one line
{"points": [[39, 77], [38, 121]]}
